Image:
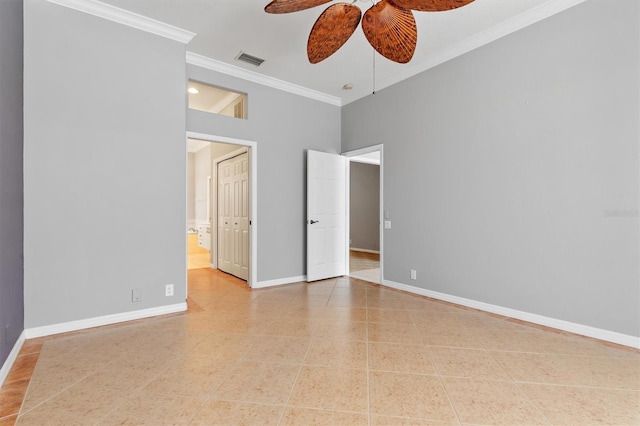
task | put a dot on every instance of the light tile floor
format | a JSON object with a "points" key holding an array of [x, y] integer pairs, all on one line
{"points": [[364, 266], [335, 352]]}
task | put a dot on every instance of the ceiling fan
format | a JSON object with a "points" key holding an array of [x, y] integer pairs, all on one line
{"points": [[388, 25]]}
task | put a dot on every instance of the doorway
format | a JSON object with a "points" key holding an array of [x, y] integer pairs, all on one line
{"points": [[221, 149], [365, 213]]}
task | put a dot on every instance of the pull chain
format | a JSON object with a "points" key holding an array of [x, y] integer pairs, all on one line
{"points": [[374, 72]]}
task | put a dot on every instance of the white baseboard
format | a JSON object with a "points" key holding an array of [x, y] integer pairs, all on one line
{"points": [[13, 355], [364, 250], [65, 327], [280, 281], [584, 330]]}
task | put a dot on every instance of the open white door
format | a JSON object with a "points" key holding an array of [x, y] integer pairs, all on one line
{"points": [[326, 216]]}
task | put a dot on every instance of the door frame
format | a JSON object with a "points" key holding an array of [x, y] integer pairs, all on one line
{"points": [[252, 149], [355, 153]]}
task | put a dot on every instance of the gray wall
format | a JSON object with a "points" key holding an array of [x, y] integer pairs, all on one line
{"points": [[11, 264], [364, 206], [284, 126], [502, 165], [101, 216]]}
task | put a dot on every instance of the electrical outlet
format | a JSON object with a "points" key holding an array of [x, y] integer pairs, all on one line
{"points": [[136, 295], [414, 274], [387, 224], [168, 290]]}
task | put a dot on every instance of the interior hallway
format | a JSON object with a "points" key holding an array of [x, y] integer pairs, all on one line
{"points": [[336, 352]]}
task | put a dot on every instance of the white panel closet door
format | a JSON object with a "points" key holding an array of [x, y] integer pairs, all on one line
{"points": [[233, 216], [326, 215]]}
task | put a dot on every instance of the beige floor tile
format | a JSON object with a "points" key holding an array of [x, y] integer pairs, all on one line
{"points": [[305, 416], [400, 358], [63, 371], [385, 302], [337, 353], [508, 340], [430, 320], [146, 409], [348, 330], [484, 321], [393, 333], [224, 347], [585, 406], [289, 327], [570, 370], [347, 301], [329, 388], [216, 412], [76, 405], [344, 314], [470, 363], [315, 353], [38, 393], [491, 402], [406, 421], [190, 377], [452, 337], [278, 349], [409, 395], [389, 316], [128, 373], [259, 382]]}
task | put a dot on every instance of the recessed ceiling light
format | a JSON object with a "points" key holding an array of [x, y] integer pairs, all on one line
{"points": [[347, 86], [193, 90]]}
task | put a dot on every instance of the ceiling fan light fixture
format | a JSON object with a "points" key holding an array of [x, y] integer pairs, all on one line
{"points": [[388, 25]]}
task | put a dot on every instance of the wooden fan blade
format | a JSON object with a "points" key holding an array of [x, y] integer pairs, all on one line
{"points": [[391, 31], [331, 30], [430, 5], [287, 6]]}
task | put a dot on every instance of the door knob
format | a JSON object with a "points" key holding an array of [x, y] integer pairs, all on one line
{"points": [[313, 221]]}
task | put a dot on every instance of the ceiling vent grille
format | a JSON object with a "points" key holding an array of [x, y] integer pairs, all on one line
{"points": [[250, 59]]}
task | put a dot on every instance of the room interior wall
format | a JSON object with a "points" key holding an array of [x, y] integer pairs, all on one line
{"points": [[364, 206], [284, 126], [102, 215], [11, 181], [511, 172]]}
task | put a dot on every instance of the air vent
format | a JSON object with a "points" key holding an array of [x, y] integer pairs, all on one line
{"points": [[250, 59]]}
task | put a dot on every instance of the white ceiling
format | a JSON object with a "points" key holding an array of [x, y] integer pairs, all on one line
{"points": [[224, 28]]}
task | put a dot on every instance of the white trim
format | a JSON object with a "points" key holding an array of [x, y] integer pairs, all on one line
{"points": [[235, 71], [253, 191], [125, 17], [585, 330], [270, 283], [65, 327], [364, 250], [514, 24], [11, 358]]}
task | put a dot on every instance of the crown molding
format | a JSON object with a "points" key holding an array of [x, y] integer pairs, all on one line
{"points": [[519, 22], [122, 16], [234, 71]]}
